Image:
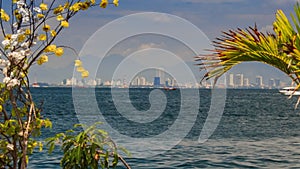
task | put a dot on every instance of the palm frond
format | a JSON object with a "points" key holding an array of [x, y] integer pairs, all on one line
{"points": [[280, 50]]}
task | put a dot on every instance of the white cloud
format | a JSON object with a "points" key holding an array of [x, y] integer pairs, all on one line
{"points": [[125, 51], [149, 46], [157, 17], [267, 28]]}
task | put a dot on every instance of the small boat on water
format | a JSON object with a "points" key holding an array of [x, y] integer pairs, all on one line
{"points": [[35, 84], [169, 88], [290, 91]]}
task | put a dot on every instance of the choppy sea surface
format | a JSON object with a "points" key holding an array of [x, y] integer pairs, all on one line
{"points": [[258, 128]]}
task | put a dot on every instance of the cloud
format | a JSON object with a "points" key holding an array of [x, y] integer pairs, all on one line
{"points": [[157, 17], [267, 28], [149, 46], [139, 43], [126, 50]]}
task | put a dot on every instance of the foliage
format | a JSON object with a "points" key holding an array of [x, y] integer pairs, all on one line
{"points": [[280, 49], [91, 147], [28, 31]]}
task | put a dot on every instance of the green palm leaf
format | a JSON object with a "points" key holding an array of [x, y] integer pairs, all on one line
{"points": [[280, 49]]}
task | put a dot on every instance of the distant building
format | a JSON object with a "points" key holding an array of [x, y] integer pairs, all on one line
{"points": [[107, 83], [239, 80], [143, 81], [156, 82], [271, 84], [173, 82], [259, 81], [98, 82], [277, 83], [231, 80], [246, 82]]}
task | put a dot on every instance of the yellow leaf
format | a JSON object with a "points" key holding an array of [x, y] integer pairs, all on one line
{"points": [[43, 6], [40, 15], [46, 28], [50, 48], [53, 33], [85, 74], [64, 24], [75, 7], [116, 2], [80, 69], [59, 52], [58, 10], [42, 59], [78, 62], [27, 32], [42, 37], [103, 3], [60, 18]]}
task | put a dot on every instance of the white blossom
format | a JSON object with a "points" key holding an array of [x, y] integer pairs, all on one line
{"points": [[25, 45], [26, 52], [13, 44], [20, 3], [26, 19], [10, 147], [37, 9], [11, 82], [4, 71], [3, 63], [15, 25], [20, 31], [14, 36], [6, 80], [15, 55], [25, 66], [24, 12], [5, 42]]}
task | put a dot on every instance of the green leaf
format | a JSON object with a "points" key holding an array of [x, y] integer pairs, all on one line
{"points": [[48, 123], [40, 146], [124, 150], [51, 148]]}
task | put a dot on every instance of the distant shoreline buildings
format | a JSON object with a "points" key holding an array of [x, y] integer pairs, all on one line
{"points": [[240, 81], [231, 81]]}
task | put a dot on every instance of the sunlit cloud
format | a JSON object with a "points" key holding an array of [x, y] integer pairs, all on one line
{"points": [[267, 28]]}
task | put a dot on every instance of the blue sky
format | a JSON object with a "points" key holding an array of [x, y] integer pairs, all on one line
{"points": [[210, 16]]}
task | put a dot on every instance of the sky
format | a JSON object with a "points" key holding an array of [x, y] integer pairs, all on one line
{"points": [[211, 17]]}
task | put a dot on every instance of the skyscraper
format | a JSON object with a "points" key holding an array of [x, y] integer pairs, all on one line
{"points": [[142, 81], [271, 83], [246, 82], [277, 83], [259, 81], [231, 80], [239, 80], [156, 81]]}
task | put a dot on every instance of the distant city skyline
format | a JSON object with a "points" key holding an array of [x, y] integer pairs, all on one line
{"points": [[230, 80]]}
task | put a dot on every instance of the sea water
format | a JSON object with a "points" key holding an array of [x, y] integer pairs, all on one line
{"points": [[258, 128]]}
